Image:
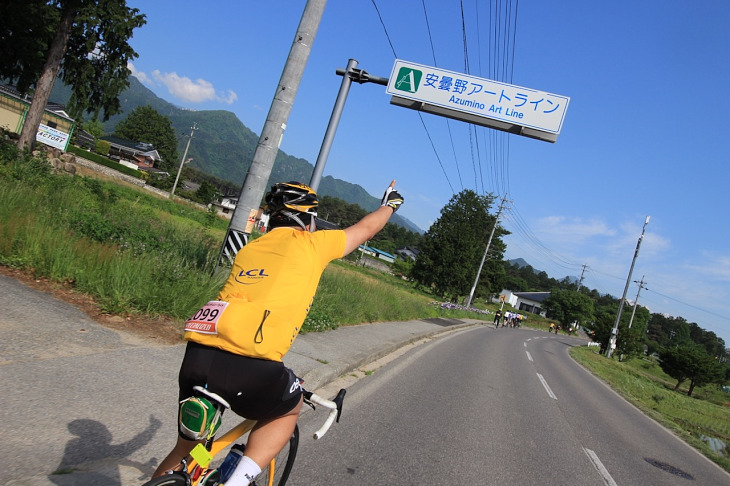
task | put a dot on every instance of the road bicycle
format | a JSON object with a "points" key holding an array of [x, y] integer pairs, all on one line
{"points": [[197, 469]]}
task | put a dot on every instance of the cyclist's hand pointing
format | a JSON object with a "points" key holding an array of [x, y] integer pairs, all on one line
{"points": [[391, 198]]}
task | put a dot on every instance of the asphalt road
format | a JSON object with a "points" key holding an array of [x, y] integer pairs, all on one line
{"points": [[75, 392], [495, 407], [85, 405]]}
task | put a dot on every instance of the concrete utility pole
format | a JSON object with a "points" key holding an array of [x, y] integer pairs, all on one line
{"points": [[254, 185], [580, 282], [614, 331], [182, 161], [636, 302], [484, 257]]}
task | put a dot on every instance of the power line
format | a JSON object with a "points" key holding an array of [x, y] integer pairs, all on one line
{"points": [[725, 317], [384, 29]]}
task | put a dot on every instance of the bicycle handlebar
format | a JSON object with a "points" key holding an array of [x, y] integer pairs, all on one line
{"points": [[335, 406]]}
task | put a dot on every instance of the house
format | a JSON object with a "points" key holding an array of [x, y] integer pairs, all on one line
{"points": [[374, 258], [226, 205], [525, 301], [379, 254], [56, 126], [142, 155], [407, 253], [323, 224]]}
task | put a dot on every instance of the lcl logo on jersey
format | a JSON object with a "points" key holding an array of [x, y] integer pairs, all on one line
{"points": [[246, 276]]}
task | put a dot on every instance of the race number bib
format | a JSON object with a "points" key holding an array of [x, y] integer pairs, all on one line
{"points": [[205, 320]]}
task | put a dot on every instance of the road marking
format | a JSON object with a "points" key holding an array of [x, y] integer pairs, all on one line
{"points": [[524, 344], [528, 355], [599, 466], [547, 388]]}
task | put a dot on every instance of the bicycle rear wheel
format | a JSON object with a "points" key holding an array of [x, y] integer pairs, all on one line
{"points": [[283, 463]]}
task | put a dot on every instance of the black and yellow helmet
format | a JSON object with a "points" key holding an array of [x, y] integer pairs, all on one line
{"points": [[291, 204]]}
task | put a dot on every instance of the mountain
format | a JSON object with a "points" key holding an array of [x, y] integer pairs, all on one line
{"points": [[223, 146], [520, 262]]}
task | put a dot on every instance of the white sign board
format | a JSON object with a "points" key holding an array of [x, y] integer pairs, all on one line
{"points": [[51, 136], [511, 104]]}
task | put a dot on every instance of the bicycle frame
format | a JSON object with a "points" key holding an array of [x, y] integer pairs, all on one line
{"points": [[195, 471]]}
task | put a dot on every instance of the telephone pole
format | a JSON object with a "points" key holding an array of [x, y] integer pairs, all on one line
{"points": [[614, 331], [182, 161], [254, 185], [636, 302], [486, 250], [580, 282]]}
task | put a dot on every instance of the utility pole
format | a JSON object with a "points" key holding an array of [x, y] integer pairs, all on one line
{"points": [[254, 185], [614, 331], [636, 302], [486, 250], [182, 161], [350, 74], [580, 282]]}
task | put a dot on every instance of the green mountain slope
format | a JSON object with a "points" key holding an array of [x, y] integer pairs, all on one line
{"points": [[223, 146]]}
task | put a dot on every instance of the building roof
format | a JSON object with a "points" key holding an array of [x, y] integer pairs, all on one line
{"points": [[133, 148], [325, 225], [376, 251], [534, 296], [408, 249], [52, 107]]}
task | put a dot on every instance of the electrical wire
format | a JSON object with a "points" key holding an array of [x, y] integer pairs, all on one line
{"points": [[501, 47], [448, 124], [420, 116], [689, 305]]}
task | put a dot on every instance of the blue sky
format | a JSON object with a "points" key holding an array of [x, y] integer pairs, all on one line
{"points": [[645, 133]]}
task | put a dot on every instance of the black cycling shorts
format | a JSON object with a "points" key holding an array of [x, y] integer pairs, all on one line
{"points": [[255, 388]]}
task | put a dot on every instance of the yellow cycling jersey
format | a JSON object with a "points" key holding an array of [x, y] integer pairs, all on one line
{"points": [[268, 293]]}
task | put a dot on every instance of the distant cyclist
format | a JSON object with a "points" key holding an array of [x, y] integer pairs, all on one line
{"points": [[259, 313]]}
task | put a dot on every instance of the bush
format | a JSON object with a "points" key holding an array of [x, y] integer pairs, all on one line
{"points": [[102, 147]]}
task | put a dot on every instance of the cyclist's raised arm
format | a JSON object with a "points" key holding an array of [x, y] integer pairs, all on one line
{"points": [[367, 227]]}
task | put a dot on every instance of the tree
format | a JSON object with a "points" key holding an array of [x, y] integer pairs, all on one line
{"points": [[452, 248], [207, 193], [668, 331], [568, 306], [94, 127], [85, 40], [631, 341], [691, 362], [145, 124]]}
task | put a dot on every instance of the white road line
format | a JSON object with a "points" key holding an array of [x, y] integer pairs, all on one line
{"points": [[599, 466], [525, 344], [547, 388], [528, 355]]}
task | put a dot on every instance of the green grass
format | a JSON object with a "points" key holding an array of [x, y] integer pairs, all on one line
{"points": [[135, 252], [131, 251], [642, 382], [349, 294]]}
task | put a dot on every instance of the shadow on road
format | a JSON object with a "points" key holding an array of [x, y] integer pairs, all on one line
{"points": [[93, 444]]}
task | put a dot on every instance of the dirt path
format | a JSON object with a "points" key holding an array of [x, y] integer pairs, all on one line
{"points": [[166, 330]]}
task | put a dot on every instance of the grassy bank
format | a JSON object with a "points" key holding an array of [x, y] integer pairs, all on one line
{"points": [[136, 253], [697, 419]]}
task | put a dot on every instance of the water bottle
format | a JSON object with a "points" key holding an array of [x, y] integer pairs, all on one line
{"points": [[231, 461]]}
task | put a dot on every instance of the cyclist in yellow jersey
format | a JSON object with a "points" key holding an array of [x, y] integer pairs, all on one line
{"points": [[236, 343]]}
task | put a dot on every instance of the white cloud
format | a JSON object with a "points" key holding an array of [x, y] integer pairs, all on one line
{"points": [[143, 78], [228, 98], [561, 228], [716, 267], [184, 88]]}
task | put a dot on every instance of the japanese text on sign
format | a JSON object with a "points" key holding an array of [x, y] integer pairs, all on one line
{"points": [[492, 99]]}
